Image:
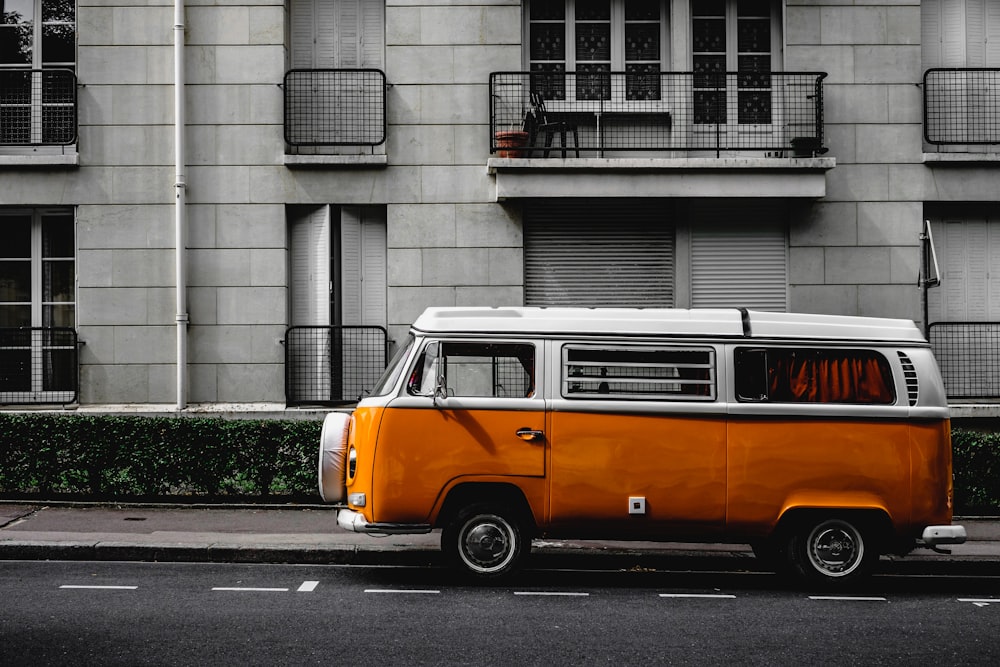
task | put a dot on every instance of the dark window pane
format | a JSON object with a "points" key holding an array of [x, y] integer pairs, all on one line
{"points": [[754, 36], [642, 10], [15, 281], [709, 8], [755, 107], [548, 41], [551, 86], [58, 44], [709, 35], [753, 8], [15, 370], [57, 236], [642, 41], [60, 370], [58, 10], [593, 10], [709, 107], [14, 316], [57, 281], [709, 71], [548, 10], [16, 232], [15, 44], [593, 42], [59, 316], [593, 86], [642, 82]]}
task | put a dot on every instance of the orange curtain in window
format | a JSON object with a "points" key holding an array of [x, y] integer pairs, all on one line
{"points": [[829, 379]]}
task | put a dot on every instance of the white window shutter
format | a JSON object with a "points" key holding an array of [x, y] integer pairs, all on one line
{"points": [[350, 265], [310, 272], [374, 306], [348, 33], [372, 34]]}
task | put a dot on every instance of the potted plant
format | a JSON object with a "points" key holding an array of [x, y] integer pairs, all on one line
{"points": [[511, 141]]}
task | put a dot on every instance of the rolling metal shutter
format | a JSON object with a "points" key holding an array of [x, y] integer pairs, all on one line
{"points": [[739, 264], [598, 253]]}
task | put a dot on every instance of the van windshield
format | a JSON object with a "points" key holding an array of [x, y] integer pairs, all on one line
{"points": [[392, 372]]}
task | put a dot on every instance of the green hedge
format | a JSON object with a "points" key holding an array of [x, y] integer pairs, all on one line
{"points": [[106, 457], [976, 465]]}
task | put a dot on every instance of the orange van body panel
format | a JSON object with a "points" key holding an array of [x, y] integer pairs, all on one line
{"points": [[931, 472], [423, 452], [676, 463], [785, 463]]}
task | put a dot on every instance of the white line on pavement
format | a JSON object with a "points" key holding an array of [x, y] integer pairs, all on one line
{"points": [[308, 586], [723, 596], [108, 588], [979, 600], [401, 590], [847, 597], [255, 590], [552, 593]]}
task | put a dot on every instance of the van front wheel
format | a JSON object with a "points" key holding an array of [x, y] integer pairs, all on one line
{"points": [[486, 541], [832, 552]]}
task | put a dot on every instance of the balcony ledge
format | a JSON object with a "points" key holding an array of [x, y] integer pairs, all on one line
{"points": [[960, 158], [660, 177], [40, 160], [336, 161]]}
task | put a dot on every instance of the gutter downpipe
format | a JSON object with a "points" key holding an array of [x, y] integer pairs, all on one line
{"points": [[180, 212]]}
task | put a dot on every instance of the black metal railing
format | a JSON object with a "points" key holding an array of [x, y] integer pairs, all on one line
{"points": [[968, 354], [332, 365], [38, 107], [602, 112], [38, 365], [335, 107], [962, 106]]}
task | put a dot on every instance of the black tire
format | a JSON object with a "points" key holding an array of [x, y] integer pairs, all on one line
{"points": [[831, 552], [486, 541]]}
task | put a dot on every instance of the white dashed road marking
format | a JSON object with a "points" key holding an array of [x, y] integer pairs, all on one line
{"points": [[252, 590], [105, 588], [308, 586], [722, 596], [402, 590], [552, 593], [848, 597]]}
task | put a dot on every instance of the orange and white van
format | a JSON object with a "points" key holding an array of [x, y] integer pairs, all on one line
{"points": [[823, 441]]}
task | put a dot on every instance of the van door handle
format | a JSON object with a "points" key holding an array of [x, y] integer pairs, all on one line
{"points": [[530, 434]]}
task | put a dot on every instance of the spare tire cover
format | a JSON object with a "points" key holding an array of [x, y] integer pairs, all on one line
{"points": [[333, 457]]}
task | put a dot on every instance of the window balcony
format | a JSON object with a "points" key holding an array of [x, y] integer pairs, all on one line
{"points": [[615, 114], [334, 116], [332, 365], [38, 116], [962, 106], [969, 356], [38, 365]]}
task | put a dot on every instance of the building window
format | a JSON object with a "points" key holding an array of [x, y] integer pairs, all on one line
{"points": [[37, 65], [594, 38], [732, 36], [37, 305]]}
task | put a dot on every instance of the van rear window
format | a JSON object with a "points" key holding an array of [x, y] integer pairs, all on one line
{"points": [[805, 375], [644, 373]]}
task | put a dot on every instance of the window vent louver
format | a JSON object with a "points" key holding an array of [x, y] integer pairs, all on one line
{"points": [[910, 373]]}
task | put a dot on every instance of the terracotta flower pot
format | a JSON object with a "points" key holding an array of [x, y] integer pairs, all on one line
{"points": [[510, 142]]}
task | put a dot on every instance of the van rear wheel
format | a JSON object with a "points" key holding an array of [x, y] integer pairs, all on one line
{"points": [[486, 541], [832, 552]]}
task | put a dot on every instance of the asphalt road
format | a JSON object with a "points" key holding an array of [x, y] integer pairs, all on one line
{"points": [[113, 613]]}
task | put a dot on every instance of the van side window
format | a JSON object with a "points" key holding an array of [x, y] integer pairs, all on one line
{"points": [[806, 375], [638, 372], [476, 369]]}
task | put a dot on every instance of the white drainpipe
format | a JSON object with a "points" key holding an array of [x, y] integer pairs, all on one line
{"points": [[180, 216]]}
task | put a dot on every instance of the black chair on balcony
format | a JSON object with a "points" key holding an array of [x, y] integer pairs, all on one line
{"points": [[538, 122]]}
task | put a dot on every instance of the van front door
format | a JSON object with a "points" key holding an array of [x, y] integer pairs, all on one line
{"points": [[471, 413]]}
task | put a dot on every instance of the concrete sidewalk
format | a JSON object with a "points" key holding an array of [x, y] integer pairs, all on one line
{"points": [[309, 534]]}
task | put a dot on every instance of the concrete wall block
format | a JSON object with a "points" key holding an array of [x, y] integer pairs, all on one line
{"points": [[98, 345], [145, 345], [223, 185], [889, 301], [455, 266], [842, 142], [267, 24], [802, 25], [274, 185], [118, 306], [161, 306], [243, 383], [889, 143], [125, 226], [203, 383], [201, 225], [268, 266], [887, 64], [62, 187], [405, 267], [503, 24], [474, 63], [422, 144], [136, 104], [267, 106], [806, 266], [890, 223], [511, 295], [218, 267], [406, 303], [248, 144], [452, 24], [402, 26], [458, 104], [904, 265], [827, 299], [114, 384], [489, 225], [402, 104], [136, 267], [857, 265], [826, 224], [250, 64], [218, 104], [903, 24], [202, 147], [855, 104], [143, 26], [94, 26], [220, 345], [252, 305], [220, 25], [837, 61], [251, 226], [114, 65], [421, 226], [203, 306], [858, 183], [455, 184], [138, 184], [421, 65], [906, 104], [506, 266], [94, 268], [200, 65], [123, 145], [853, 25], [163, 383]]}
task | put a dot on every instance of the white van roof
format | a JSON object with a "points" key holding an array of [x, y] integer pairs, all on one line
{"points": [[707, 322]]}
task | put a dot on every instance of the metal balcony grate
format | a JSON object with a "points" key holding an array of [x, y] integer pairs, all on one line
{"points": [[332, 365], [335, 107], [38, 365], [968, 354], [962, 106], [38, 107]]}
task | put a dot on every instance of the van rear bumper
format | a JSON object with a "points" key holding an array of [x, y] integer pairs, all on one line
{"points": [[356, 523], [937, 535]]}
